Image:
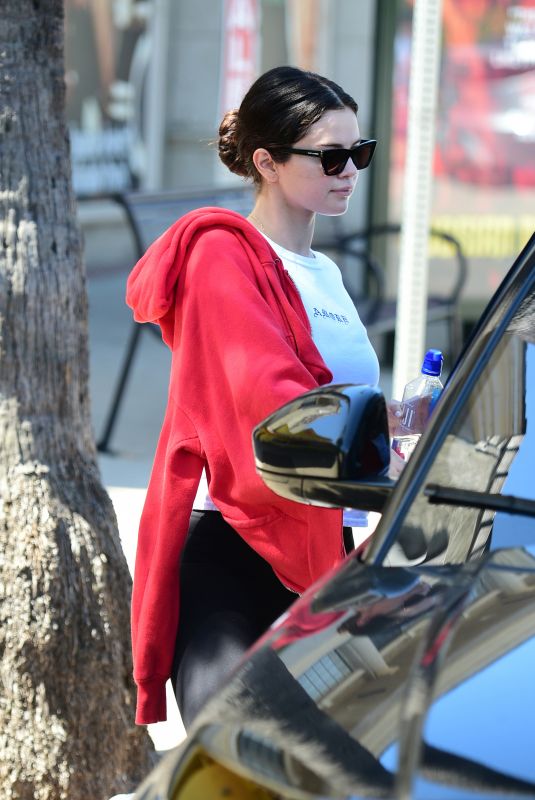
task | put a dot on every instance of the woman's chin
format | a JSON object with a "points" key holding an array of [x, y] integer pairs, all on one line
{"points": [[332, 212]]}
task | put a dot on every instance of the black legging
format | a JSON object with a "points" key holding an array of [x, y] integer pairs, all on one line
{"points": [[229, 596]]}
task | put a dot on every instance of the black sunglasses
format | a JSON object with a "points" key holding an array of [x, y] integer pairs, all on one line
{"points": [[334, 161]]}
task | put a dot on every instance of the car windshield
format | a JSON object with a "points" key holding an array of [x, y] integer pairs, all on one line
{"points": [[479, 492]]}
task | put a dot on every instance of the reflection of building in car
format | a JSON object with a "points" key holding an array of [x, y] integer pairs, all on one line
{"points": [[321, 714]]}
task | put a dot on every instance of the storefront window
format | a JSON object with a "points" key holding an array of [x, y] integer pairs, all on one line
{"points": [[484, 161]]}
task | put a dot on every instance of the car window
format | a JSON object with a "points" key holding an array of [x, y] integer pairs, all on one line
{"points": [[489, 450]]}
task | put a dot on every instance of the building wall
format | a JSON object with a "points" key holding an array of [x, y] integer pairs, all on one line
{"points": [[351, 62], [192, 93]]}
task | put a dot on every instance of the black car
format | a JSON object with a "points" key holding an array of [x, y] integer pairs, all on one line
{"points": [[409, 671]]}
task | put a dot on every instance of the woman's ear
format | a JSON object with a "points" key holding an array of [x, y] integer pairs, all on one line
{"points": [[265, 165]]}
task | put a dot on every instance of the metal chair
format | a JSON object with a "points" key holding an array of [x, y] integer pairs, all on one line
{"points": [[149, 215]]}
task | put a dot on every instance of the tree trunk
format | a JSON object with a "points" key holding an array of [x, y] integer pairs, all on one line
{"points": [[67, 697]]}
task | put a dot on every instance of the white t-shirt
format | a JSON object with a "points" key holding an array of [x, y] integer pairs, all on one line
{"points": [[337, 331]]}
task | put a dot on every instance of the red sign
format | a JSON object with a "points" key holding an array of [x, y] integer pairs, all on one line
{"points": [[240, 51]]}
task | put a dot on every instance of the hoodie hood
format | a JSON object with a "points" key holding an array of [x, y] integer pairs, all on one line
{"points": [[151, 286]]}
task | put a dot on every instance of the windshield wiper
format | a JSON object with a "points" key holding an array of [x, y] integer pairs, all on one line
{"points": [[450, 496]]}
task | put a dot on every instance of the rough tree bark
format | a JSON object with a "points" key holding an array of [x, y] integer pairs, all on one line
{"points": [[66, 701]]}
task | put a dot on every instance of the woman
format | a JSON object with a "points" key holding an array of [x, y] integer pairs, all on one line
{"points": [[254, 318]]}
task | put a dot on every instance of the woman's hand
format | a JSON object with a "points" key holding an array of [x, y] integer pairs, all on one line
{"points": [[393, 409], [397, 464]]}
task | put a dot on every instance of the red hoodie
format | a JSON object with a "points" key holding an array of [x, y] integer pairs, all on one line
{"points": [[241, 347]]}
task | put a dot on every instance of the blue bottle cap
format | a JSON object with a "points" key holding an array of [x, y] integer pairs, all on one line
{"points": [[433, 363]]}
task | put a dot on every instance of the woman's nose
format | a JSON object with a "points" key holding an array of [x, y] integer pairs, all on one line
{"points": [[350, 170]]}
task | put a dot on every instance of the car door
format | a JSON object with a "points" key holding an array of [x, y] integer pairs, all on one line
{"points": [[470, 487]]}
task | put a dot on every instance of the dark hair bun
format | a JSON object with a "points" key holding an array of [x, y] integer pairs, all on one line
{"points": [[228, 143]]}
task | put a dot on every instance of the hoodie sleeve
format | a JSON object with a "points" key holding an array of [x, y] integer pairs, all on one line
{"points": [[162, 531], [235, 331], [243, 361]]}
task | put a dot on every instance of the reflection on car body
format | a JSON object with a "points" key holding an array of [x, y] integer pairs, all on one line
{"points": [[407, 672], [325, 697]]}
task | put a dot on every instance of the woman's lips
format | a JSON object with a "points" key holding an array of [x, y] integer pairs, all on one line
{"points": [[345, 191]]}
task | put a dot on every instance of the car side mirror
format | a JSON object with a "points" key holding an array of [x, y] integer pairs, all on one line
{"points": [[328, 447]]}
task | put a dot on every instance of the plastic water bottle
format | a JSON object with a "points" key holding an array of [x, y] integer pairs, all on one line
{"points": [[419, 398]]}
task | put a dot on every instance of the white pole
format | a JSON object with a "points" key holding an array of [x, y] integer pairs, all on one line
{"points": [[412, 285], [155, 96]]}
